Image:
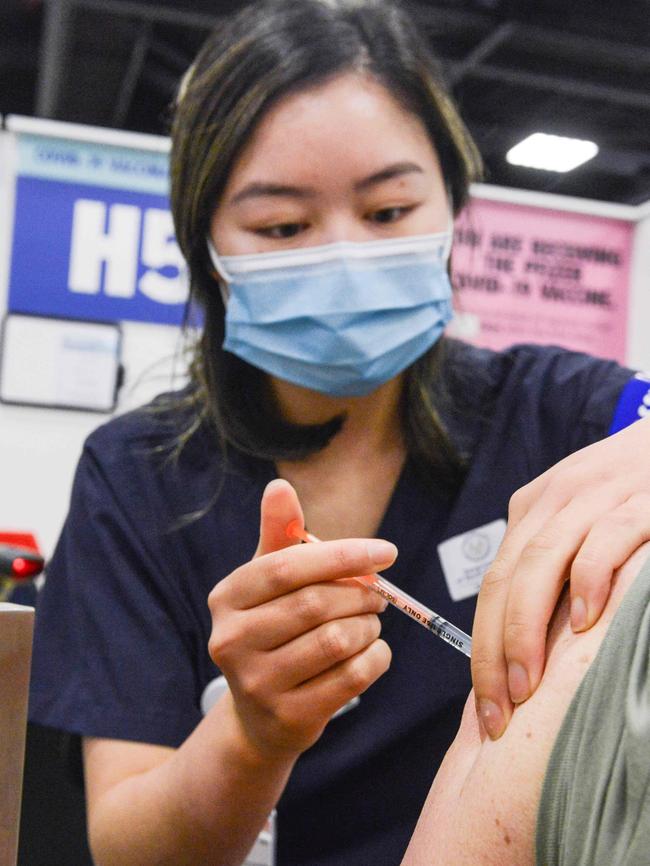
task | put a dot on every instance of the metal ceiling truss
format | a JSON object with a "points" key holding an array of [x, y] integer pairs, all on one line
{"points": [[537, 69], [438, 21]]}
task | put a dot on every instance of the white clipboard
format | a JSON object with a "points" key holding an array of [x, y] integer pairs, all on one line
{"points": [[60, 363]]}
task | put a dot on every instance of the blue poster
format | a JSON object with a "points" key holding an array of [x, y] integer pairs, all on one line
{"points": [[93, 235]]}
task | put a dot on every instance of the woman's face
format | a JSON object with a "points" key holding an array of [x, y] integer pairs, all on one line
{"points": [[341, 161]]}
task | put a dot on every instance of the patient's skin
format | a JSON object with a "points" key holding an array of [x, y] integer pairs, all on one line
{"points": [[482, 806]]}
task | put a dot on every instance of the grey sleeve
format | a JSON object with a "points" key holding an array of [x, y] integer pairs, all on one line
{"points": [[595, 805]]}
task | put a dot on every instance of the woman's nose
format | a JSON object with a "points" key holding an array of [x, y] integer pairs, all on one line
{"points": [[343, 227]]}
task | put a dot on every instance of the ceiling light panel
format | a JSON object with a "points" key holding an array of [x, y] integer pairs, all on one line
{"points": [[551, 152]]}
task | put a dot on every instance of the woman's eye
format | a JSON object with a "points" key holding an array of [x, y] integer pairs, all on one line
{"points": [[389, 214], [281, 231]]}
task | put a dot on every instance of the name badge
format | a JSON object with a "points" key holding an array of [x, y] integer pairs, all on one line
{"points": [[465, 558]]}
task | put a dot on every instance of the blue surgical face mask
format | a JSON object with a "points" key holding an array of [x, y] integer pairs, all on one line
{"points": [[341, 319]]}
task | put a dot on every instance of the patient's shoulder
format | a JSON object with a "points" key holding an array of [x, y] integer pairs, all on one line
{"points": [[482, 806]]}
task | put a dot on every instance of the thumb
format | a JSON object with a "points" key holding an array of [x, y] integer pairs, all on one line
{"points": [[280, 505]]}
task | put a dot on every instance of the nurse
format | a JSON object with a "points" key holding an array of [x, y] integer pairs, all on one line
{"points": [[316, 165]]}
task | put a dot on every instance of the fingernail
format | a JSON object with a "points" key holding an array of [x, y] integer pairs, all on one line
{"points": [[381, 551], [578, 614], [491, 718], [518, 683]]}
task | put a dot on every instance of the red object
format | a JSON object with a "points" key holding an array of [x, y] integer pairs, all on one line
{"points": [[20, 539], [23, 568], [20, 558], [19, 563]]}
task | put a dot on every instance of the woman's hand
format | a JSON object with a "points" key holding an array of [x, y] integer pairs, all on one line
{"points": [[294, 639], [579, 521]]}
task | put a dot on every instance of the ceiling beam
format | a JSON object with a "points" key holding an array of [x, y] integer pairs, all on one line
{"points": [[132, 74], [498, 37], [637, 99], [53, 53], [443, 20], [153, 13], [582, 47]]}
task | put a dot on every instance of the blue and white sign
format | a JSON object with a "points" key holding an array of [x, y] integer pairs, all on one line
{"points": [[93, 235]]}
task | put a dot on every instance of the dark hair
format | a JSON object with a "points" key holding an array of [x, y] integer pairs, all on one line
{"points": [[253, 59]]}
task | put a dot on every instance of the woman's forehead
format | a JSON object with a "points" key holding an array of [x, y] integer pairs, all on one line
{"points": [[348, 126]]}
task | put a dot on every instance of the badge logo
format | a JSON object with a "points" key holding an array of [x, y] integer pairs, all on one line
{"points": [[476, 546]]}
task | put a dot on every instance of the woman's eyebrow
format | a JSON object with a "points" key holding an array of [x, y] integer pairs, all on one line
{"points": [[260, 189], [388, 173]]}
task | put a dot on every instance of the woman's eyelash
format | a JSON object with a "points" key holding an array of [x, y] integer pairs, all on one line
{"points": [[281, 231], [284, 231], [397, 211]]}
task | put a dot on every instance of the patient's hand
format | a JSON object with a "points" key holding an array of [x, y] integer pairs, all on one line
{"points": [[482, 806]]}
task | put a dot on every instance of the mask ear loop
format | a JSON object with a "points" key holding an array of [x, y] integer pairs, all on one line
{"points": [[221, 271]]}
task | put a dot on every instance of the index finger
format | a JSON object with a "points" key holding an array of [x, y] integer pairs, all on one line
{"points": [[489, 672], [283, 571], [527, 512], [489, 665]]}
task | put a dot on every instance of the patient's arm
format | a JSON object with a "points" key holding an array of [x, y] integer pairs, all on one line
{"points": [[482, 806]]}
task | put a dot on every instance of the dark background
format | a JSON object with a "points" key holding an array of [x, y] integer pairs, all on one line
{"points": [[571, 67]]}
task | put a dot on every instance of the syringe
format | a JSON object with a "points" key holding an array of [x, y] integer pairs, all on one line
{"points": [[401, 600]]}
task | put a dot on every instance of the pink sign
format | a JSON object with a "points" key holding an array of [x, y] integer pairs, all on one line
{"points": [[525, 274]]}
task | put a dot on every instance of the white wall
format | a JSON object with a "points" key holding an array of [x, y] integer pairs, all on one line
{"points": [[39, 448]]}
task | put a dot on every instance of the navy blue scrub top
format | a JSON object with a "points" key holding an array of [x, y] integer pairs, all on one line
{"points": [[122, 623]]}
